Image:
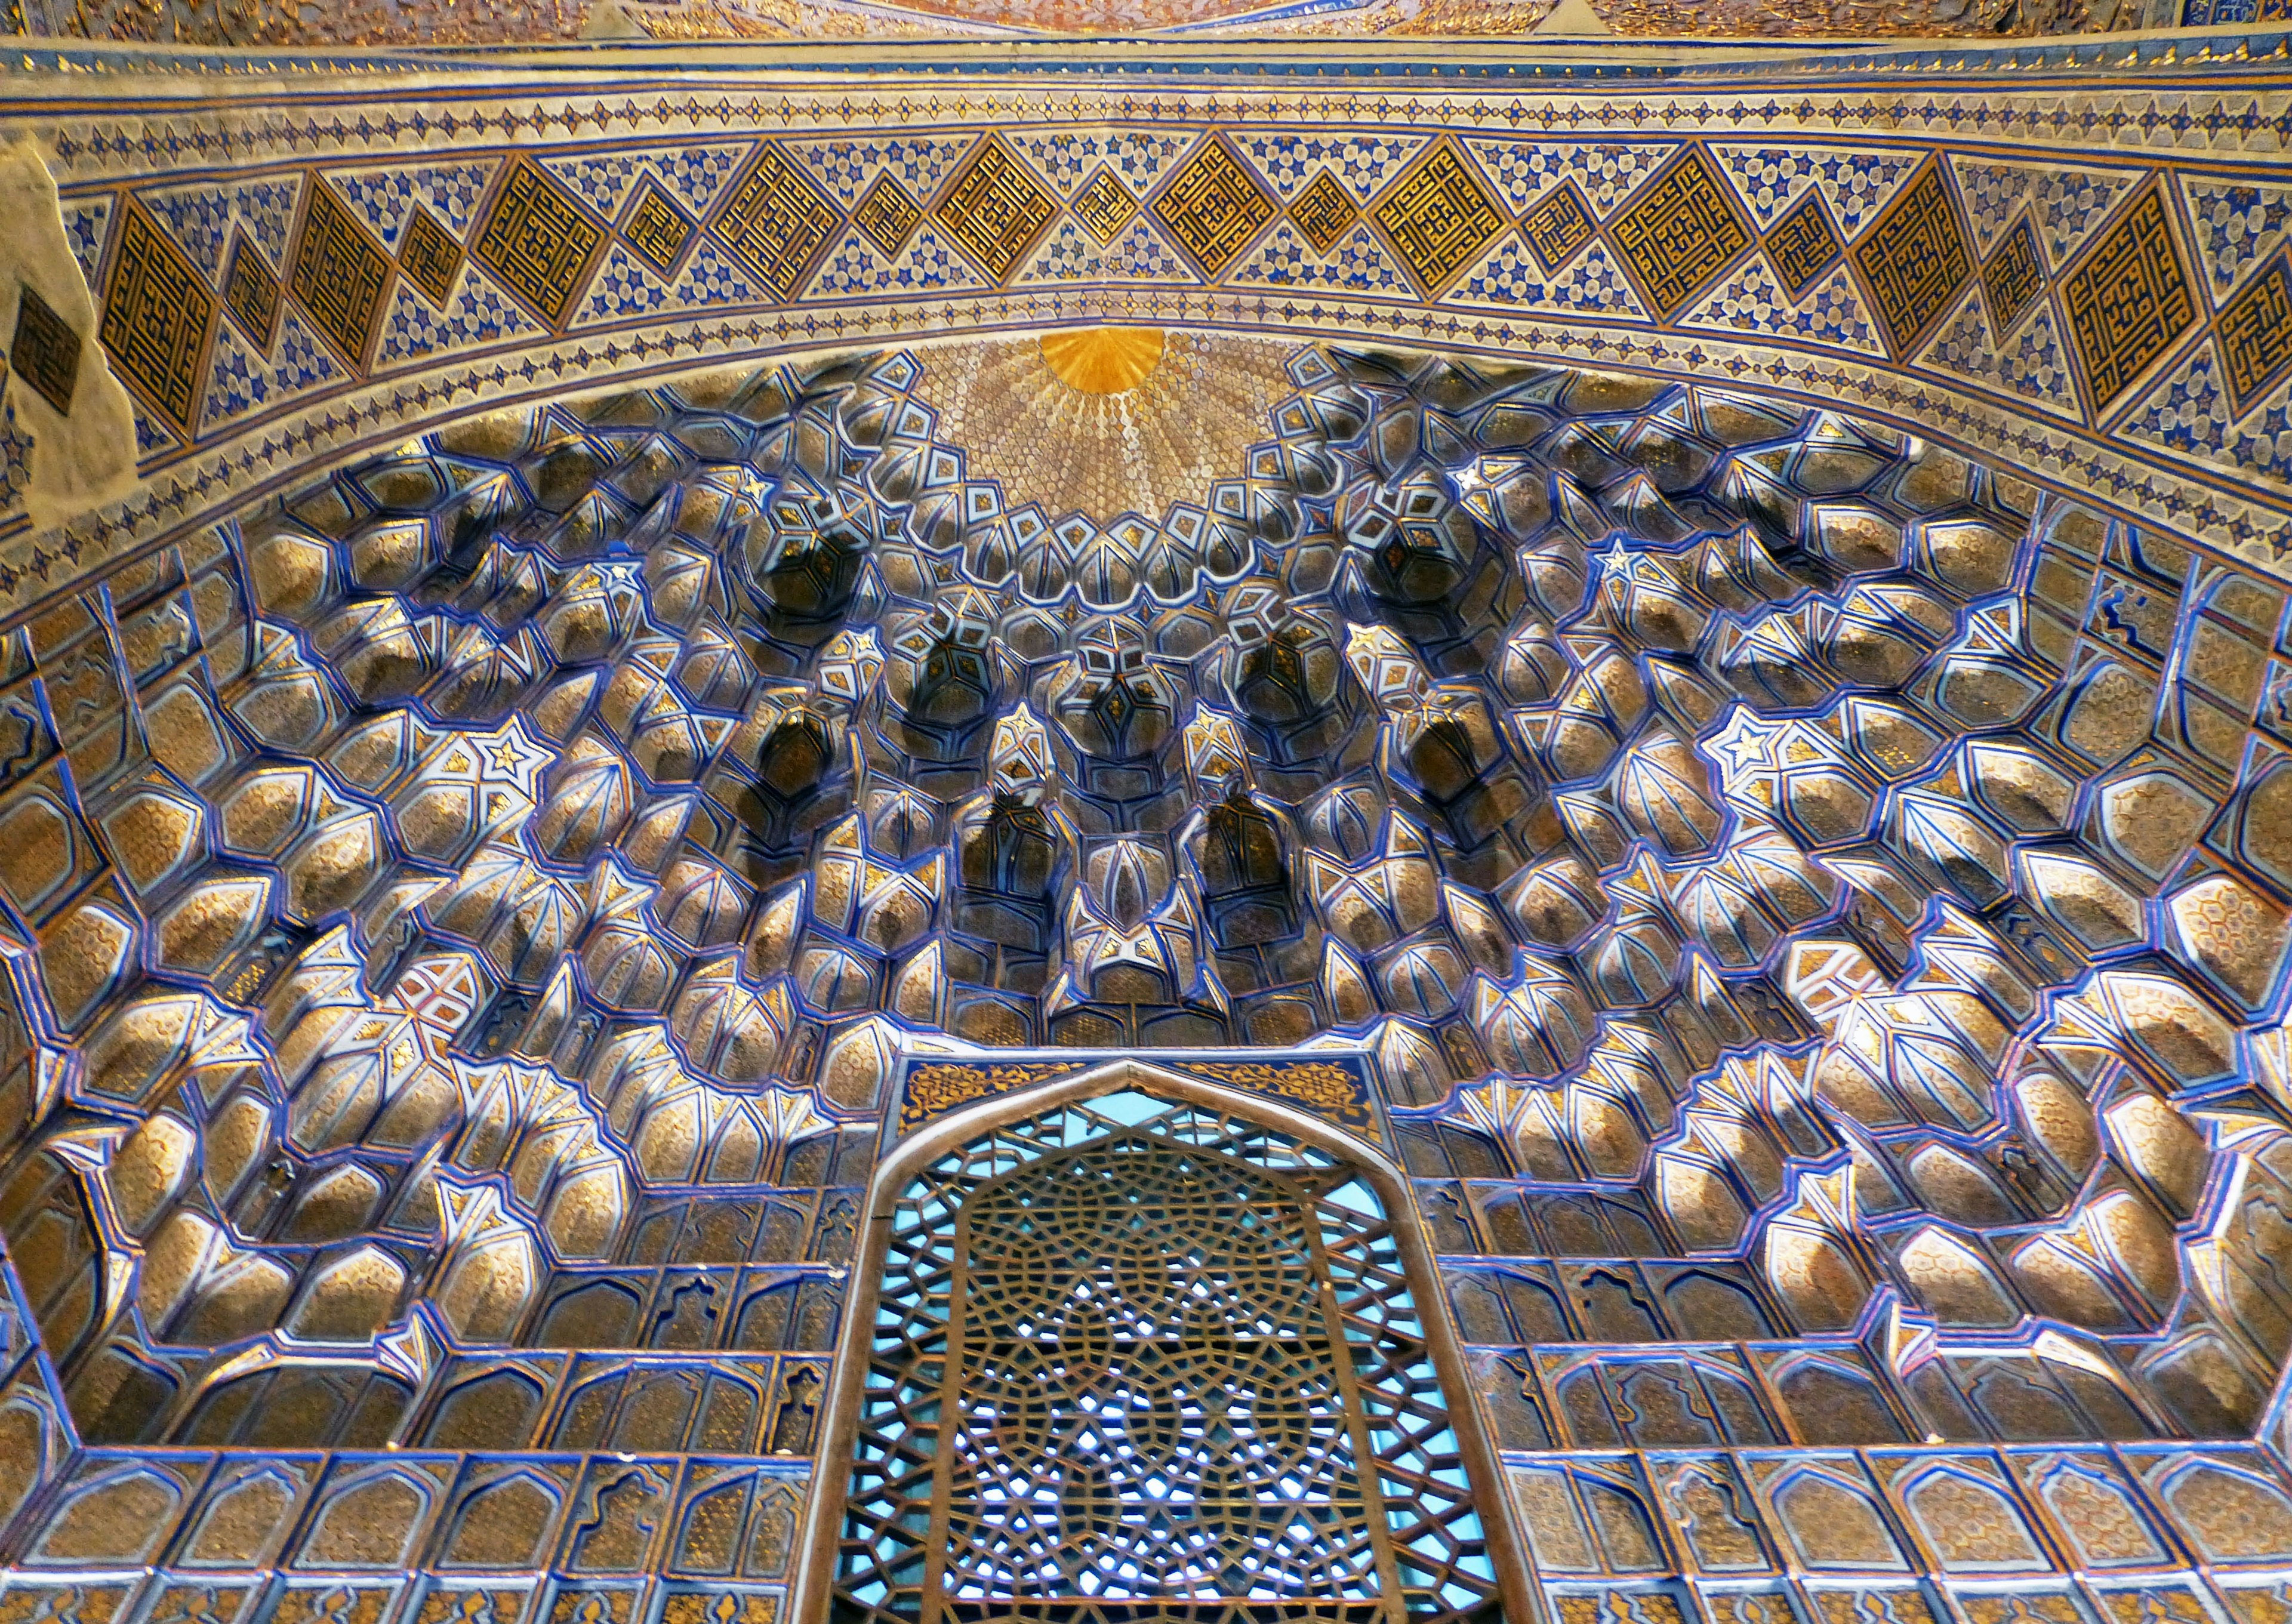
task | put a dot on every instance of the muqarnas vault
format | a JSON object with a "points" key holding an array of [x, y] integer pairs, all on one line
{"points": [[1553, 991]]}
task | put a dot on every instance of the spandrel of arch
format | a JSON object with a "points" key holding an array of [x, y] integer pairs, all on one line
{"points": [[1140, 1358]]}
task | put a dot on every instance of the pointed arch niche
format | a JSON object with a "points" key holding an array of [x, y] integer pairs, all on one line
{"points": [[1135, 1346]]}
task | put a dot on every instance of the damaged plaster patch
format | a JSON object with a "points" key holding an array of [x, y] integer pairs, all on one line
{"points": [[83, 454]]}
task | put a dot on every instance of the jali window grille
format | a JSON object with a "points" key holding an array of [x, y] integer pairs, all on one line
{"points": [[1136, 1360]]}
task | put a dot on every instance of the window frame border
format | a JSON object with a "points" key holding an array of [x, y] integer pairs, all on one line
{"points": [[812, 1583]]}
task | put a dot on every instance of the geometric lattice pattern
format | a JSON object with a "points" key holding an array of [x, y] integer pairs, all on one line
{"points": [[1803, 245], [996, 210], [155, 315], [2255, 330], [657, 230], [1323, 211], [1914, 260], [339, 276], [429, 257], [1214, 206], [776, 221], [1680, 233], [1556, 227], [536, 238], [1440, 217], [2012, 275], [1143, 1361], [2127, 300], [887, 214]]}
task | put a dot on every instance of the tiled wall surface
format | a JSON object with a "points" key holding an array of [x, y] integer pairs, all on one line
{"points": [[2072, 264], [1779, 826]]}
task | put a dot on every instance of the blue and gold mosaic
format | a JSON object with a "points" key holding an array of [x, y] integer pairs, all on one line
{"points": [[2127, 301], [1089, 208], [535, 237], [1678, 232], [2255, 333], [1212, 207], [155, 315], [1914, 260], [993, 209], [428, 258], [1793, 908], [1700, 684], [1802, 245]]}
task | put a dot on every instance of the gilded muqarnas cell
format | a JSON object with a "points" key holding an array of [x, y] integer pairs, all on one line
{"points": [[506, 963]]}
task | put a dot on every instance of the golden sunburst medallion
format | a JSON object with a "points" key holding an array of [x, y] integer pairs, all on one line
{"points": [[1107, 421], [1103, 361]]}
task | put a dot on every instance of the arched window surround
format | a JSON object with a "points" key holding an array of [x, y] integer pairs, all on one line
{"points": [[813, 1582]]}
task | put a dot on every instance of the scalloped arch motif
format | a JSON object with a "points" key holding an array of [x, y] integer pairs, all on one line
{"points": [[1805, 912]]}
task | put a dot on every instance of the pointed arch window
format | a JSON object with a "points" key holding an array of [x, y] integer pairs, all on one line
{"points": [[1136, 1359]]}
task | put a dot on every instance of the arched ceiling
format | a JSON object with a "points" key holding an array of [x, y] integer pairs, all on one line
{"points": [[2010, 252], [1862, 864], [1695, 637]]}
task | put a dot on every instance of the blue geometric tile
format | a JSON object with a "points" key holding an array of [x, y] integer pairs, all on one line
{"points": [[927, 263], [199, 219], [1068, 255], [152, 436], [87, 227], [1770, 178], [241, 383], [1361, 162], [622, 288], [476, 313], [2235, 225], [1753, 301], [1591, 285], [2068, 206], [600, 182], [1609, 171], [1142, 253], [847, 168], [387, 197], [1285, 259], [695, 173], [1991, 193], [2031, 363], [1065, 160], [1520, 171], [710, 278], [265, 211], [2189, 411], [1139, 253]]}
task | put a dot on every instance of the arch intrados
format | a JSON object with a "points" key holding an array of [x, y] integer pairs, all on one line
{"points": [[810, 358], [815, 1578]]}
